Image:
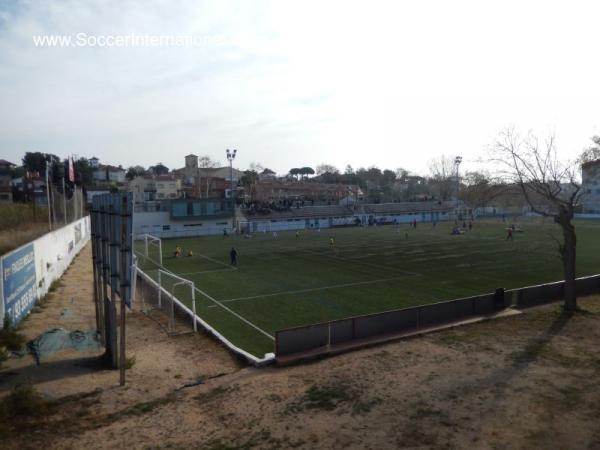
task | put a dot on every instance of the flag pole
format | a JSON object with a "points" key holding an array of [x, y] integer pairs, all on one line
{"points": [[64, 193], [48, 199]]}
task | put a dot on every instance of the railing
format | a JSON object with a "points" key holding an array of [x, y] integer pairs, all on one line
{"points": [[355, 331]]}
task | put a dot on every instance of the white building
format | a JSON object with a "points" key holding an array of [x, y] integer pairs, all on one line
{"points": [[590, 175]]}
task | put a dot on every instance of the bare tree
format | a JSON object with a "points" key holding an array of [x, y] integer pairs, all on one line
{"points": [[443, 176], [480, 188], [326, 168], [535, 168], [205, 162], [591, 153]]}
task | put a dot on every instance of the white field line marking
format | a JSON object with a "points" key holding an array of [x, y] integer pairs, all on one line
{"points": [[235, 314], [209, 271], [217, 261], [301, 291], [364, 263], [226, 308]]}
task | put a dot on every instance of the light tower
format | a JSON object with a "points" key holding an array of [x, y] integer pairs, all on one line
{"points": [[230, 158], [457, 162]]}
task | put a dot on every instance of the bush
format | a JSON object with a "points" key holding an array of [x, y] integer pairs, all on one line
{"points": [[23, 401], [10, 337]]}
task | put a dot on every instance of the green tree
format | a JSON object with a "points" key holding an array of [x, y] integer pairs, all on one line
{"points": [[37, 161], [306, 171], [159, 169], [84, 174], [135, 171]]}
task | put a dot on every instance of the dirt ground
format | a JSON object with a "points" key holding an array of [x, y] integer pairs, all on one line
{"points": [[522, 382]]}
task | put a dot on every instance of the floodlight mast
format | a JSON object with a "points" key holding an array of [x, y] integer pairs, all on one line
{"points": [[457, 162], [230, 157]]}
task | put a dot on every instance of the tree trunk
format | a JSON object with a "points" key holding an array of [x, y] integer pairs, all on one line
{"points": [[569, 252]]}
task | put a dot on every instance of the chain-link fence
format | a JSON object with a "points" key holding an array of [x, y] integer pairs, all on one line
{"points": [[67, 204]]}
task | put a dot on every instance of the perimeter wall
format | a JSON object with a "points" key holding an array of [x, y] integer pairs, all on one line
{"points": [[28, 271]]}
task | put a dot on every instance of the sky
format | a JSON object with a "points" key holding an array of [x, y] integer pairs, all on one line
{"points": [[372, 83]]}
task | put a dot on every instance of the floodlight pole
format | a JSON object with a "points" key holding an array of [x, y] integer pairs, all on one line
{"points": [[457, 162], [230, 158]]}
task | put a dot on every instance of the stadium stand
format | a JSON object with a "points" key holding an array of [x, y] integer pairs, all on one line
{"points": [[408, 207], [304, 212]]}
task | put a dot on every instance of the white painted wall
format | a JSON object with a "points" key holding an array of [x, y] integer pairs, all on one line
{"points": [[53, 252], [159, 223]]}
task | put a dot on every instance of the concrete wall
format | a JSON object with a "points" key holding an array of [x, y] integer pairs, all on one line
{"points": [[28, 271], [588, 216], [320, 337], [373, 326], [159, 224]]}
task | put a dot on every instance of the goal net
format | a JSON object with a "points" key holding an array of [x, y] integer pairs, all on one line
{"points": [[170, 300], [149, 248]]}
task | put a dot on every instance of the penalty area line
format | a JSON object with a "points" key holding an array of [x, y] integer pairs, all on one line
{"points": [[234, 313], [230, 269]]}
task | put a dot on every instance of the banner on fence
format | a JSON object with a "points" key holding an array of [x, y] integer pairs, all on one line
{"points": [[19, 286]]}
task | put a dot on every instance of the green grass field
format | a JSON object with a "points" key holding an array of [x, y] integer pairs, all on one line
{"points": [[285, 281]]}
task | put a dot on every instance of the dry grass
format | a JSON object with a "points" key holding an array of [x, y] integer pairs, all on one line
{"points": [[21, 223], [11, 239]]}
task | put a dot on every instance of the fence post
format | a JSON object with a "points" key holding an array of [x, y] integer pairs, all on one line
{"points": [[194, 308], [159, 291], [499, 299], [172, 315], [143, 289]]}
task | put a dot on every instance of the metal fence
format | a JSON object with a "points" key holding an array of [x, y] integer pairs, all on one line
{"points": [[356, 331], [66, 205], [159, 301]]}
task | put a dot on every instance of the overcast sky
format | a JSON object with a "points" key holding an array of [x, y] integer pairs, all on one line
{"points": [[390, 84]]}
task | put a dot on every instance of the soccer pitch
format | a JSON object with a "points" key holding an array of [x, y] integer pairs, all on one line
{"points": [[287, 281]]}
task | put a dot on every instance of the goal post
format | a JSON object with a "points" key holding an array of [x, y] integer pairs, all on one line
{"points": [[176, 297], [152, 248]]}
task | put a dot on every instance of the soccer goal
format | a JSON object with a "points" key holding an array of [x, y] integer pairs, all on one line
{"points": [[152, 248], [170, 301]]}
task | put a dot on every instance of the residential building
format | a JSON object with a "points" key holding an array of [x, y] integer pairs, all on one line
{"points": [[6, 195], [152, 188], [274, 190], [167, 187], [143, 188], [6, 165], [206, 182], [109, 174], [93, 162], [31, 187], [590, 177]]}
